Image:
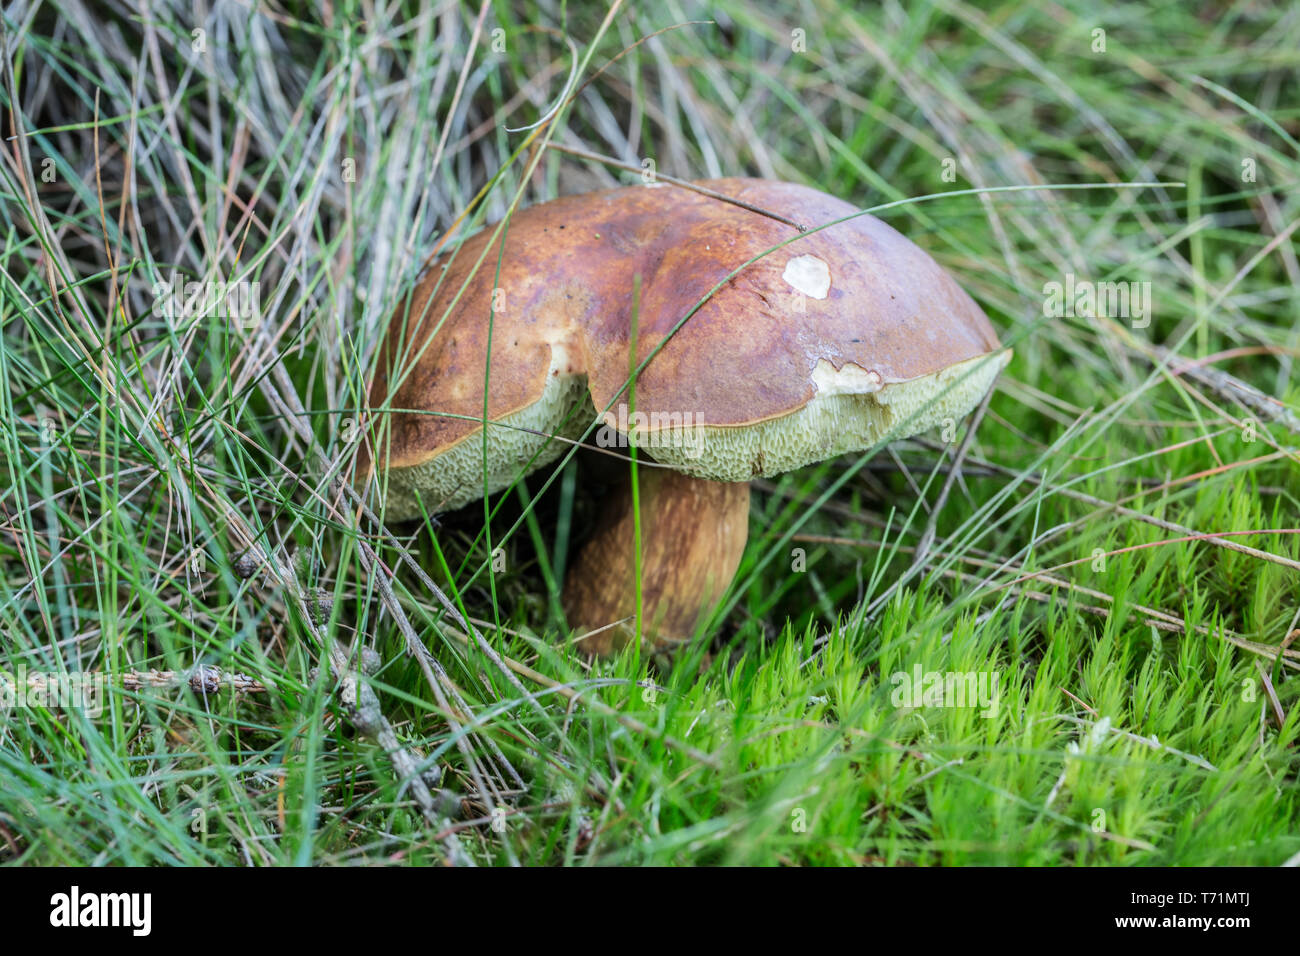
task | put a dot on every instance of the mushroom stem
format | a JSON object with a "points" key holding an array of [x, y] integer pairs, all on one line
{"points": [[693, 534]]}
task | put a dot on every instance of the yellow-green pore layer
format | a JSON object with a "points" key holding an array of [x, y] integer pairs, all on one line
{"points": [[838, 340]]}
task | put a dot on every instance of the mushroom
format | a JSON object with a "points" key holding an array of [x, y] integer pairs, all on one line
{"points": [[831, 343]]}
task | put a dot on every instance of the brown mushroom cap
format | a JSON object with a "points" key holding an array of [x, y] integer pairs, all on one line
{"points": [[829, 344]]}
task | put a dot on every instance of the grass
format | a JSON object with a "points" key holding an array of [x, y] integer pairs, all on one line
{"points": [[1119, 545]]}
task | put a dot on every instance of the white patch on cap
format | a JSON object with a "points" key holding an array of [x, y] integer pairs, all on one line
{"points": [[831, 425], [849, 380], [808, 275]]}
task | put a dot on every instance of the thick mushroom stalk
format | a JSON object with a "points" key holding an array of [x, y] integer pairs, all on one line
{"points": [[693, 534]]}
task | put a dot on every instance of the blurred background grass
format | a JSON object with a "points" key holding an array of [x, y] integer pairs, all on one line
{"points": [[173, 487]]}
